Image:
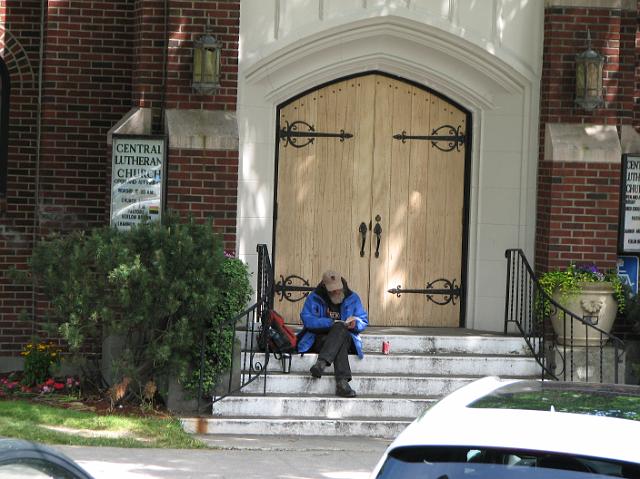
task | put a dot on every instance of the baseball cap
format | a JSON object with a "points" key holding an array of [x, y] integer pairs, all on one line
{"points": [[332, 280]]}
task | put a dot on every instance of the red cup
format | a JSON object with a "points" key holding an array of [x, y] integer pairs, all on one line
{"points": [[386, 346]]}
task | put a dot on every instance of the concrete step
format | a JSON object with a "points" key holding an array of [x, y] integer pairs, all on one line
{"points": [[409, 344], [492, 344], [378, 428], [366, 385], [377, 363], [329, 407], [392, 389]]}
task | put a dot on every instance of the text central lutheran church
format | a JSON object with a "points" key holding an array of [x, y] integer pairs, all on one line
{"points": [[449, 129]]}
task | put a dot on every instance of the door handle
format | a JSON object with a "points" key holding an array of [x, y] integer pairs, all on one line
{"points": [[377, 230], [363, 233]]}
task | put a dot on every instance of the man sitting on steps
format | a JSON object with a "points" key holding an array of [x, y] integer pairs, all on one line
{"points": [[333, 316]]}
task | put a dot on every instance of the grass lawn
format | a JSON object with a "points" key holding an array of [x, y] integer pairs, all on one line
{"points": [[59, 425]]}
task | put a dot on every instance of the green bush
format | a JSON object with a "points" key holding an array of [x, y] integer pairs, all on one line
{"points": [[160, 287], [232, 299], [632, 314]]}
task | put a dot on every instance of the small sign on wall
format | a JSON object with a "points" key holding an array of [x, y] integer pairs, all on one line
{"points": [[628, 272], [137, 179], [630, 204]]}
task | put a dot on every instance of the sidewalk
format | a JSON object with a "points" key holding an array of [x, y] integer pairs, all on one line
{"points": [[237, 457]]}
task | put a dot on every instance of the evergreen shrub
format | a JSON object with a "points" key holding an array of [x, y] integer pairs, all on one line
{"points": [[159, 287]]}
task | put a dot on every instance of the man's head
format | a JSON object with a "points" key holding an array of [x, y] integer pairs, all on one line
{"points": [[332, 281]]}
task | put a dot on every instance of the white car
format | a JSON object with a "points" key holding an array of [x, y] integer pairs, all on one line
{"points": [[495, 428]]}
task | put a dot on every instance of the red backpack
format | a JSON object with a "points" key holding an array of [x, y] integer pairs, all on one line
{"points": [[277, 335]]}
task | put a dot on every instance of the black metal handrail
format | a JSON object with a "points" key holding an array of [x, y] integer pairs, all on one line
{"points": [[247, 326], [529, 308]]}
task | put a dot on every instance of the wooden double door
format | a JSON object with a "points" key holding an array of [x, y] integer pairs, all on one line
{"points": [[371, 183]]}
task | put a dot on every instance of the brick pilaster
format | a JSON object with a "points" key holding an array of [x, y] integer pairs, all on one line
{"points": [[578, 203]]}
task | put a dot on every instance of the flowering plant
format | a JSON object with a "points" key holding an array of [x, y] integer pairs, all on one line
{"points": [[569, 282], [69, 386], [38, 359]]}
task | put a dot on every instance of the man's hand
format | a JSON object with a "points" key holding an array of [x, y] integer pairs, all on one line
{"points": [[350, 323]]}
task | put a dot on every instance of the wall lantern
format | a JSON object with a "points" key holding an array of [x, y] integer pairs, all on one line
{"points": [[589, 77], [206, 63]]}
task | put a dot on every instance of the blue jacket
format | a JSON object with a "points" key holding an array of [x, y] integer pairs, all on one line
{"points": [[314, 316]]}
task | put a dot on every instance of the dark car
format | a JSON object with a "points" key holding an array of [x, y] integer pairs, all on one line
{"points": [[24, 459]]}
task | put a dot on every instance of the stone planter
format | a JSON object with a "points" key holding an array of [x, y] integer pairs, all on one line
{"points": [[596, 304], [180, 401]]}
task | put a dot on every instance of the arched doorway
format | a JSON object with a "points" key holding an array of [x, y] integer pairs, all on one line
{"points": [[372, 180]]}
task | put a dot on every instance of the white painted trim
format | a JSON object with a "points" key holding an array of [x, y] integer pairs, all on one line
{"points": [[445, 84], [629, 139], [202, 129], [579, 142], [510, 76], [496, 5], [136, 121], [276, 20]]}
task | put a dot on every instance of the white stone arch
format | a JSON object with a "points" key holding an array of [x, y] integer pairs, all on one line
{"points": [[500, 96], [417, 48]]}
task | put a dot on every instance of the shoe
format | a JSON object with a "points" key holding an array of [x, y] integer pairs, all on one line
{"points": [[344, 390], [318, 368]]}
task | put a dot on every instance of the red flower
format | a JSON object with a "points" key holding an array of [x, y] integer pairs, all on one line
{"points": [[58, 386], [49, 382]]}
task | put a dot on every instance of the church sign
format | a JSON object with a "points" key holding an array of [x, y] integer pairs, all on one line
{"points": [[630, 207], [137, 179]]}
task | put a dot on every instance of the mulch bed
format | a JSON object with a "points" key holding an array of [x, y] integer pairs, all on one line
{"points": [[99, 403], [94, 404]]}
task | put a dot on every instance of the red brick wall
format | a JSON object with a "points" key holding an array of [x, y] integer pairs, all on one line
{"points": [[148, 55], [636, 94], [187, 23], [86, 78], [199, 182], [102, 58], [19, 49], [204, 184], [86, 90], [578, 203]]}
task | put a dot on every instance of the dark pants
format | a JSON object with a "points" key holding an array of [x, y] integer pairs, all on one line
{"points": [[334, 347]]}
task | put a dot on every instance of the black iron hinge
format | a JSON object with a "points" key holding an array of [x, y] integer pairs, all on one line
{"points": [[285, 288], [291, 132], [449, 290], [456, 137]]}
